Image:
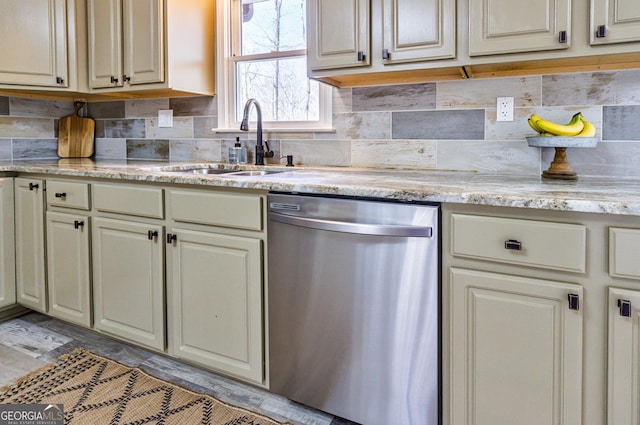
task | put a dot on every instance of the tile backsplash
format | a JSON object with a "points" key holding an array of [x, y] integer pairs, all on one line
{"points": [[448, 125]]}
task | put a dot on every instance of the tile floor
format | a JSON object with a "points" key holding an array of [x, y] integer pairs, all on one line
{"points": [[33, 340]]}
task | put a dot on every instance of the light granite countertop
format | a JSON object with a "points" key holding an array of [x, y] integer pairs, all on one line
{"points": [[588, 194]]}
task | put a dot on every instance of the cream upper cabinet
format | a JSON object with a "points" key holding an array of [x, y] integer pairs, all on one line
{"points": [[7, 244], [33, 44], [126, 42], [150, 44], [508, 26], [516, 349], [615, 21], [417, 30], [623, 406], [338, 34], [31, 284], [104, 32]]}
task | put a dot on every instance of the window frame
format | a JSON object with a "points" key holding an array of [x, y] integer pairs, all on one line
{"points": [[228, 36]]}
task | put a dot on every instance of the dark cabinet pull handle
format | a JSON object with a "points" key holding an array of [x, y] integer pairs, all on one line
{"points": [[113, 80], [361, 56], [33, 186], [601, 32], [625, 308], [61, 194], [152, 234], [171, 238], [574, 302], [513, 244], [385, 54], [562, 37], [77, 224], [125, 78], [59, 80]]}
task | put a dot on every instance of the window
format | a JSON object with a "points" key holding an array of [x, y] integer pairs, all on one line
{"points": [[266, 60]]}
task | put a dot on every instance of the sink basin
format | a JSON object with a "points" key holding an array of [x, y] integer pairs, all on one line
{"points": [[206, 171], [254, 173]]}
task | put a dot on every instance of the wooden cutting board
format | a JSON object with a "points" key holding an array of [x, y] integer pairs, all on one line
{"points": [[75, 135]]}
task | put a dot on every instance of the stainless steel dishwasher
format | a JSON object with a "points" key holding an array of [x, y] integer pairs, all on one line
{"points": [[354, 301]]}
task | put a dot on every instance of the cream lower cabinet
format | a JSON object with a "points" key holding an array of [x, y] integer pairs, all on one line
{"points": [[623, 402], [217, 301], [68, 259], [7, 244], [128, 280], [31, 284], [516, 350], [214, 282]]}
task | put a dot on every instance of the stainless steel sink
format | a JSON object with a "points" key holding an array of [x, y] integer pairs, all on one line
{"points": [[206, 171], [253, 173]]}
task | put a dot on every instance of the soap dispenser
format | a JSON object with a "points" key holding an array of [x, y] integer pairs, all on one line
{"points": [[237, 153]]}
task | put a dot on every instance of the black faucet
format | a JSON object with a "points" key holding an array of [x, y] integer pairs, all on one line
{"points": [[261, 153]]}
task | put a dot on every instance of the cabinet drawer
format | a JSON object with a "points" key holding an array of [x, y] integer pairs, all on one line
{"points": [[131, 200], [68, 194], [624, 246], [557, 246], [217, 209]]}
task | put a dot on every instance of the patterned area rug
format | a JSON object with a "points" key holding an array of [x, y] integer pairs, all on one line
{"points": [[96, 390]]}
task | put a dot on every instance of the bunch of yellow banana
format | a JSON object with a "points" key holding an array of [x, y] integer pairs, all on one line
{"points": [[578, 126]]}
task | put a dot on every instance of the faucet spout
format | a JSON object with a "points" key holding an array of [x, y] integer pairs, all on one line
{"points": [[261, 153]]}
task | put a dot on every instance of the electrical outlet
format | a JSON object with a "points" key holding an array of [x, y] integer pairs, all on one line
{"points": [[505, 109], [165, 118]]}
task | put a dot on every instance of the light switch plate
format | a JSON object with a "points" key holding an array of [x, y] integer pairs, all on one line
{"points": [[504, 107], [165, 118]]}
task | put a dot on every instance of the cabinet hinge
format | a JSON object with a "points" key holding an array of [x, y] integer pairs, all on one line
{"points": [[601, 32], [574, 302], [625, 308]]}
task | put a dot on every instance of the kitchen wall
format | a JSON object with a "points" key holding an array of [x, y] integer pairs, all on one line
{"points": [[449, 125]]}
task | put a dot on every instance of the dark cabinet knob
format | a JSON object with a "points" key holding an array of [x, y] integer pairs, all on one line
{"points": [[171, 238], [61, 194], [77, 224], [33, 186]]}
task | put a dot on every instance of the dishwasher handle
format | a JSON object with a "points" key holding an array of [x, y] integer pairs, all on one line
{"points": [[357, 228]]}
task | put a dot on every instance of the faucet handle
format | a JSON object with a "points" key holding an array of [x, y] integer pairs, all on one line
{"points": [[268, 153]]}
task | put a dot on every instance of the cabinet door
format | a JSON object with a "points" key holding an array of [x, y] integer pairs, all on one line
{"points": [[338, 33], [34, 43], [68, 267], [29, 227], [416, 30], [623, 407], [620, 20], [143, 35], [104, 31], [7, 245], [507, 26], [128, 280], [516, 350], [216, 287]]}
